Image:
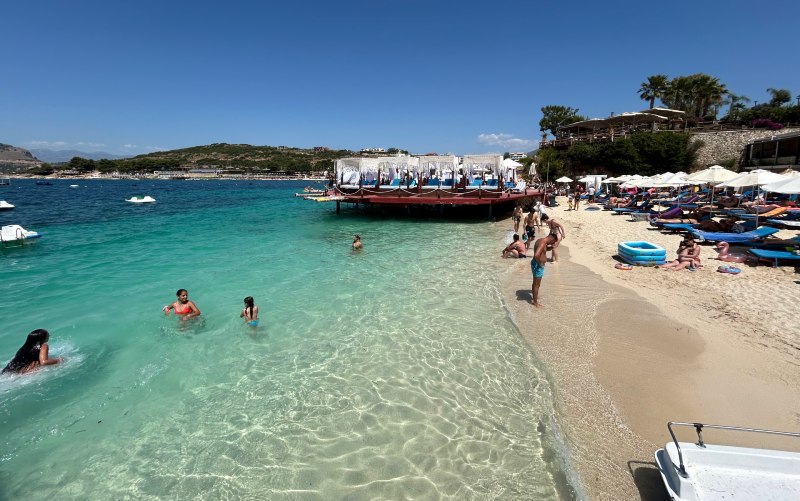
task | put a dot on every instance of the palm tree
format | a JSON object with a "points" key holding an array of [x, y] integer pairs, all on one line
{"points": [[655, 87], [736, 104], [779, 96]]}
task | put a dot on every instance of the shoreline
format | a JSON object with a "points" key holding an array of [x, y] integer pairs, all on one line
{"points": [[628, 351]]}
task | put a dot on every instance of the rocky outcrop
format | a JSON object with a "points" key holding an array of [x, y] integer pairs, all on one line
{"points": [[13, 159], [719, 147]]}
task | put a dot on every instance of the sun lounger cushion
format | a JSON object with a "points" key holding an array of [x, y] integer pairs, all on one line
{"points": [[677, 226], [774, 255], [712, 236]]}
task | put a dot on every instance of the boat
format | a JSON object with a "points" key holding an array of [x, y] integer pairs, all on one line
{"points": [[141, 199], [5, 181], [700, 471], [15, 235], [5, 205], [74, 186]]}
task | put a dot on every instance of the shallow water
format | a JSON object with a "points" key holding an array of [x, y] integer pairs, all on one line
{"points": [[391, 373]]}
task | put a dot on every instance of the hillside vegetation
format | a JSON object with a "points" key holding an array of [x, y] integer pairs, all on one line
{"points": [[227, 157]]}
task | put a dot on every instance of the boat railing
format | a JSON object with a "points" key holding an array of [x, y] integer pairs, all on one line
{"points": [[699, 429]]}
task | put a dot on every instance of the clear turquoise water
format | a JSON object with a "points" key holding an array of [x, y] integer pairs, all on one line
{"points": [[389, 374]]}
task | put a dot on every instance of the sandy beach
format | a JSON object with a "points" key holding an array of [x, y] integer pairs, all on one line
{"points": [[628, 351]]}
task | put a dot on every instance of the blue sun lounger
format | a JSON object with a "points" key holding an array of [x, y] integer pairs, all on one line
{"points": [[719, 236], [774, 255], [677, 226]]}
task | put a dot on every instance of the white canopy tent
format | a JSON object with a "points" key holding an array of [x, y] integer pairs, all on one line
{"points": [[474, 165], [788, 186]]}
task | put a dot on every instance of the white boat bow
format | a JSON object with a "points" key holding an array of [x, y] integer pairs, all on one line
{"points": [[5, 205], [15, 234], [700, 471]]}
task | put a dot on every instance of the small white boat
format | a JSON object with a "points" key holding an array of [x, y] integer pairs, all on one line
{"points": [[5, 205], [74, 186], [141, 199], [14, 234], [700, 471]]}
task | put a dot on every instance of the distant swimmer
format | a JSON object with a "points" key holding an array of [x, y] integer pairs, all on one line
{"points": [[537, 265], [250, 312], [357, 245], [32, 355], [183, 307]]}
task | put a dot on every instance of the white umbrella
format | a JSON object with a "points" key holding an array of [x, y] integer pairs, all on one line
{"points": [[563, 179], [508, 163], [714, 174], [755, 177], [788, 186]]}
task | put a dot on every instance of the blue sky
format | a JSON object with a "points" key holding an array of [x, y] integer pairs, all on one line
{"points": [[460, 77]]}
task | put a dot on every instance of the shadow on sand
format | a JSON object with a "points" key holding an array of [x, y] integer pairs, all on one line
{"points": [[648, 481]]}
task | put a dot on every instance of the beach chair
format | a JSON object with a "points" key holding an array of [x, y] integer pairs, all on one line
{"points": [[370, 184], [748, 236], [475, 183], [432, 184], [677, 226], [631, 203], [491, 184], [772, 213], [643, 207], [447, 183], [774, 255]]}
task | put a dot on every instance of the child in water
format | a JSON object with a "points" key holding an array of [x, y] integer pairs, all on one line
{"points": [[250, 312], [32, 355]]}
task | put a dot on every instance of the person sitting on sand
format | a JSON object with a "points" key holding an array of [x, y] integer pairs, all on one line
{"points": [[32, 355], [515, 249], [250, 312], [183, 307], [357, 245], [688, 256]]}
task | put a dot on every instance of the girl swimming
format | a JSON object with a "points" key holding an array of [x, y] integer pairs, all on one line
{"points": [[32, 355]]}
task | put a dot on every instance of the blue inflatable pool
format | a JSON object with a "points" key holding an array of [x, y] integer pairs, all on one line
{"points": [[642, 253]]}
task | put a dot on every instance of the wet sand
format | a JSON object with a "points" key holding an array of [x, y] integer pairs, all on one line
{"points": [[625, 360]]}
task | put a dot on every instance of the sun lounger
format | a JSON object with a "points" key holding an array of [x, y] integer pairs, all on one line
{"points": [[677, 226], [476, 183], [774, 255], [787, 223], [747, 236], [774, 212], [491, 184], [432, 184]]}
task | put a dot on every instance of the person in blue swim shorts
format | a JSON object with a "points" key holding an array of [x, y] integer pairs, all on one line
{"points": [[537, 265]]}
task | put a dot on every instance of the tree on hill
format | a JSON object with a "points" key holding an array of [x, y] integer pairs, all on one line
{"points": [[554, 116], [779, 96], [654, 88], [695, 94]]}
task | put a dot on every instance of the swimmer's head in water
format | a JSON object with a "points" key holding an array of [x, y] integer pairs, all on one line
{"points": [[182, 294], [248, 301], [37, 336], [356, 238]]}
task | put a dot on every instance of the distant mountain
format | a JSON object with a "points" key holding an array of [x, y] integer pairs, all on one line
{"points": [[13, 159], [59, 156]]}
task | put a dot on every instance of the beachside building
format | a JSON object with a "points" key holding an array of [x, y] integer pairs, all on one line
{"points": [[516, 155], [778, 152]]}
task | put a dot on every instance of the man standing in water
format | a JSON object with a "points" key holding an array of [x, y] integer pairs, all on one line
{"points": [[537, 265]]}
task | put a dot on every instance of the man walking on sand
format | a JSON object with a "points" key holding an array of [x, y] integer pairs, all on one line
{"points": [[537, 265]]}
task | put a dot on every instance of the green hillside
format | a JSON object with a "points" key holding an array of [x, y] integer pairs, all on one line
{"points": [[228, 157]]}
